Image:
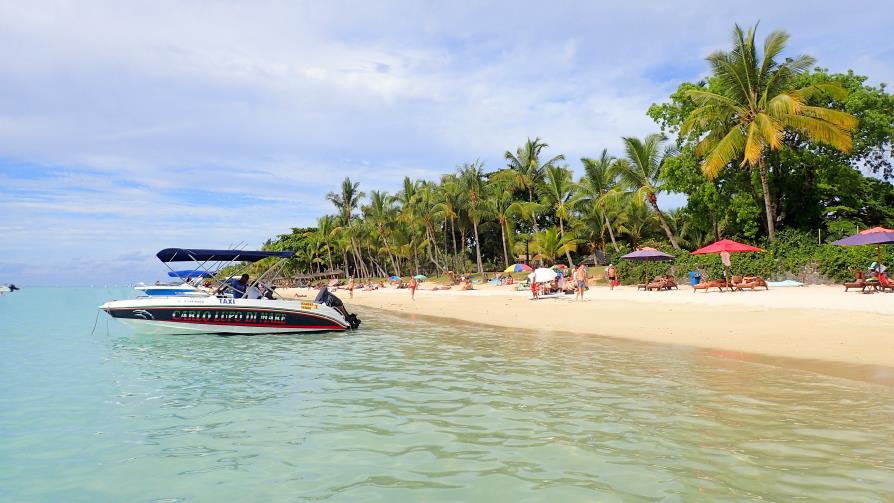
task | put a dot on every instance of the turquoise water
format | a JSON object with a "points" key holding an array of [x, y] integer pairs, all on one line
{"points": [[415, 411]]}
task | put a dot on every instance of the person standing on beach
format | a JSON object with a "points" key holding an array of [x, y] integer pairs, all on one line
{"points": [[412, 288], [351, 287], [580, 281], [612, 275]]}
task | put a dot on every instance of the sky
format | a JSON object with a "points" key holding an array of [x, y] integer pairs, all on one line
{"points": [[128, 127]]}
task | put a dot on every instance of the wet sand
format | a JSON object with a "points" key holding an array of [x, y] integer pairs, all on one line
{"points": [[812, 323]]}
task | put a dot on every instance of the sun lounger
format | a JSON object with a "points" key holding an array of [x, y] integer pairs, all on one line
{"points": [[750, 282], [708, 284]]}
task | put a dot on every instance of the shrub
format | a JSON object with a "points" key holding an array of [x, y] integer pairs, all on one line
{"points": [[794, 254]]}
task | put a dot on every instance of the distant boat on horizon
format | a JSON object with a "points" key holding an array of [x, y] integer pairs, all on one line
{"points": [[8, 288]]}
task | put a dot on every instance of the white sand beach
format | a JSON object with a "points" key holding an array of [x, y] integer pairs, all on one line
{"points": [[812, 322]]}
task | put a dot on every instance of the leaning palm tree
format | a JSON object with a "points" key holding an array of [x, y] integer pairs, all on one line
{"points": [[642, 173], [556, 194], [473, 180], [598, 186], [755, 103]]}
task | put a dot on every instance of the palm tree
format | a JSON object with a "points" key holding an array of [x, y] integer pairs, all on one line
{"points": [[637, 221], [325, 227], [450, 205], [550, 244], [755, 103], [501, 206], [556, 194], [472, 177], [381, 213], [642, 174], [525, 166], [346, 202], [598, 185]]}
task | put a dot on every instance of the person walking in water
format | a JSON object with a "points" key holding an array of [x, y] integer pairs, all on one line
{"points": [[580, 281], [412, 288]]}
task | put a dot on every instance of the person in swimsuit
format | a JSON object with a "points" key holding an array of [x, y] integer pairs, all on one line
{"points": [[580, 281], [412, 286], [612, 274], [351, 287]]}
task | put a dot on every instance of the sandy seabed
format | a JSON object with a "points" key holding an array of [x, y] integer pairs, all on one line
{"points": [[812, 322]]}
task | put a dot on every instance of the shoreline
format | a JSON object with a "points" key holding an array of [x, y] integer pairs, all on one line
{"points": [[807, 323]]}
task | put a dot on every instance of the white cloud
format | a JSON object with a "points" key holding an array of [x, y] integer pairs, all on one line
{"points": [[262, 107]]}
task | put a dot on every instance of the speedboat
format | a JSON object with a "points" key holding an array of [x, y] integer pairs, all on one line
{"points": [[223, 312], [8, 288]]}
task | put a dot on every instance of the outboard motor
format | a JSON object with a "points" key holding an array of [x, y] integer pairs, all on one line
{"points": [[328, 298], [13, 288]]}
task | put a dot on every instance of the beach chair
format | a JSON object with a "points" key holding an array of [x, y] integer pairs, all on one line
{"points": [[884, 283], [859, 282], [669, 282], [708, 284], [750, 282]]}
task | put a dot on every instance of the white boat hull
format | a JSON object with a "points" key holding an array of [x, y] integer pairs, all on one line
{"points": [[191, 315]]}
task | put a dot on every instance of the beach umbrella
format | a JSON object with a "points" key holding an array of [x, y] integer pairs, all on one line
{"points": [[421, 277], [876, 236], [559, 267], [648, 254], [728, 246], [724, 247], [544, 275], [394, 278], [517, 268]]}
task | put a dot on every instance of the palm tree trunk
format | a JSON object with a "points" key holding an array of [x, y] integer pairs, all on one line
{"points": [[611, 233], [388, 249], [415, 260], [670, 235], [453, 238], [533, 216], [768, 204], [505, 253], [567, 253], [462, 240], [478, 250]]}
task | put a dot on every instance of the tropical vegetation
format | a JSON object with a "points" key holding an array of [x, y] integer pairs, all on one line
{"points": [[769, 149]]}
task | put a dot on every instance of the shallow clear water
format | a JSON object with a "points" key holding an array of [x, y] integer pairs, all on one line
{"points": [[415, 411]]}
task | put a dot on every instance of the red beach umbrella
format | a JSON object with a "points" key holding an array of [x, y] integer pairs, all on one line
{"points": [[726, 245]]}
